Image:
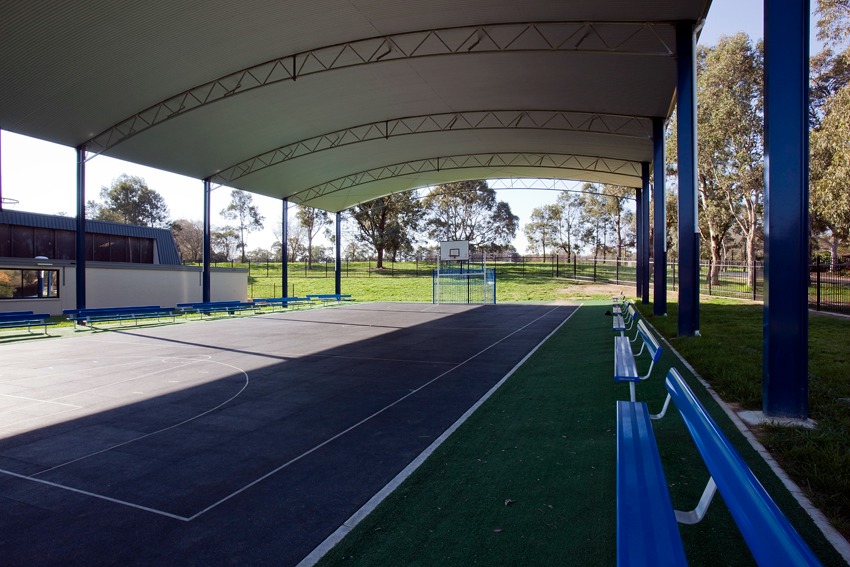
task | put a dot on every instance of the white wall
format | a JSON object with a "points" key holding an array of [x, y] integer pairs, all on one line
{"points": [[118, 284]]}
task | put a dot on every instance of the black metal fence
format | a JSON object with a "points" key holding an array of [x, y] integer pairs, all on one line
{"points": [[829, 285]]}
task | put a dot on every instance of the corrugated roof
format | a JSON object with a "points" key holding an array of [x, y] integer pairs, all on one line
{"points": [[166, 247]]}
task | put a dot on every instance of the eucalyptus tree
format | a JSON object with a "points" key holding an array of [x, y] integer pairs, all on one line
{"points": [[389, 224], [469, 210], [830, 128], [731, 138], [129, 200], [542, 228], [312, 221], [242, 209]]}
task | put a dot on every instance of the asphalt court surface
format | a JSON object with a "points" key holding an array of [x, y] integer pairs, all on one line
{"points": [[236, 441]]}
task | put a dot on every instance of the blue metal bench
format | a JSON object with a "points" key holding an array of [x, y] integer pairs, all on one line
{"points": [[326, 297], [21, 319], [625, 365], [647, 532], [281, 301], [768, 533], [645, 535], [118, 314], [624, 322], [209, 307]]}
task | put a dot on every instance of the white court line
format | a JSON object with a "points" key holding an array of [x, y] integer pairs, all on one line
{"points": [[37, 400], [95, 495], [157, 432], [314, 556], [364, 420]]}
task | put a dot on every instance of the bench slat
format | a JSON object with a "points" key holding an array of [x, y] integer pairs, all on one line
{"points": [[647, 532], [771, 537], [625, 368]]}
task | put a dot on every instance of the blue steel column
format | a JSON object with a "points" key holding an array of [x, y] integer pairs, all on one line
{"points": [[81, 228], [686, 118], [206, 285], [785, 382], [638, 236], [284, 250], [643, 240], [338, 268], [659, 234]]}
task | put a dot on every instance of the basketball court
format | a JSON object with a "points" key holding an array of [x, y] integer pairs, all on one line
{"points": [[245, 440]]}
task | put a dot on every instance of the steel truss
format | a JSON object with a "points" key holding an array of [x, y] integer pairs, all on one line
{"points": [[621, 38], [597, 123], [498, 160], [559, 185]]}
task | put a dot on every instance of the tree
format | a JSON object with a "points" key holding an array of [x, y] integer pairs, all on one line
{"points": [[568, 222], [595, 219], [224, 242], [830, 172], [389, 223], [468, 210], [830, 147], [129, 200], [312, 221], [243, 210], [189, 236], [730, 122], [833, 21], [542, 228]]}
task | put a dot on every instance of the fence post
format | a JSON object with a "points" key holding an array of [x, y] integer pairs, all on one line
{"points": [[817, 267], [557, 266], [755, 279], [710, 275]]}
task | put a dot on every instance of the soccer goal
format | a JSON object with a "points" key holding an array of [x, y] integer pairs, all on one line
{"points": [[459, 279]]}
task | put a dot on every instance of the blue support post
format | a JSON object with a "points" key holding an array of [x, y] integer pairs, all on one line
{"points": [[686, 118], [785, 381], [284, 250], [338, 268], [638, 237], [659, 235], [206, 281], [643, 239], [81, 228]]}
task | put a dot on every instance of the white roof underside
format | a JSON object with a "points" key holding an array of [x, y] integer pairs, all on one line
{"points": [[568, 83]]}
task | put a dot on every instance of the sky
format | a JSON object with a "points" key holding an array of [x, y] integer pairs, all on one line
{"points": [[41, 176]]}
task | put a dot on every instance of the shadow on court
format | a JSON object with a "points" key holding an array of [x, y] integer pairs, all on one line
{"points": [[244, 441]]}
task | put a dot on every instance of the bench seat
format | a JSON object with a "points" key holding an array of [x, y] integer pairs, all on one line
{"points": [[28, 319], [325, 297], [206, 308], [625, 363], [118, 314], [647, 531], [281, 301]]}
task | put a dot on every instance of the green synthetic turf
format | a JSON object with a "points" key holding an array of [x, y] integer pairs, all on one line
{"points": [[529, 479]]}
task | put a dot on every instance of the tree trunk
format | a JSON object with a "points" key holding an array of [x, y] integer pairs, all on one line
{"points": [[379, 262], [716, 247]]}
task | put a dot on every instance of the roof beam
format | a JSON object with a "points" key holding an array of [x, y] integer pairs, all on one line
{"points": [[561, 120], [653, 39], [625, 168]]}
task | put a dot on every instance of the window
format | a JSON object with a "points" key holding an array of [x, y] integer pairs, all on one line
{"points": [[29, 284]]}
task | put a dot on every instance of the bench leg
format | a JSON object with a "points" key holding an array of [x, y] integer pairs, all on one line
{"points": [[663, 411], [632, 395], [697, 514]]}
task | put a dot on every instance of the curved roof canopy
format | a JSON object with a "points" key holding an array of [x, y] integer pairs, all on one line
{"points": [[335, 102]]}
